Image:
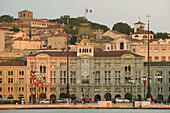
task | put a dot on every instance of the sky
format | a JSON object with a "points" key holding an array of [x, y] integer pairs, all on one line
{"points": [[106, 12]]}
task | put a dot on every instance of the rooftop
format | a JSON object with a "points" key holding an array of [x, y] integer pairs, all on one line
{"points": [[13, 63]]}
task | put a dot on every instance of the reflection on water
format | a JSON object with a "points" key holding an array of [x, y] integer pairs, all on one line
{"points": [[86, 111]]}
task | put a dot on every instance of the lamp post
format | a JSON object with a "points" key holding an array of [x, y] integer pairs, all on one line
{"points": [[68, 95], [149, 88], [144, 83]]}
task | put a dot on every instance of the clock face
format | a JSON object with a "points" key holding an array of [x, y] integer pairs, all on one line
{"points": [[85, 44]]}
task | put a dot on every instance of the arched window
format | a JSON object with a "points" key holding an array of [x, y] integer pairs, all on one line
{"points": [[144, 36], [136, 36], [121, 45], [137, 29], [83, 50], [79, 50], [87, 50], [125, 68], [40, 69], [44, 69], [90, 50]]}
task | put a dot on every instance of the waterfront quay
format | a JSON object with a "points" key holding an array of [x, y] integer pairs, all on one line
{"points": [[81, 106]]}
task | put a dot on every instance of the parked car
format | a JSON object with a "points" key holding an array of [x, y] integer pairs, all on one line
{"points": [[46, 101], [87, 100], [61, 100], [2, 99]]}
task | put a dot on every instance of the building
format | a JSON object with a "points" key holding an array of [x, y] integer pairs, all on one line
{"points": [[58, 41], [5, 40], [93, 74], [13, 80], [160, 79], [24, 43]]}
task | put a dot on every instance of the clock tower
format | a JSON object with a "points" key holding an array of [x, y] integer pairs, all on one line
{"points": [[85, 41]]}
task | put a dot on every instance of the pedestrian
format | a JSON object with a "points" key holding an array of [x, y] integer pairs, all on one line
{"points": [[84, 101], [114, 100], [168, 101], [165, 101]]}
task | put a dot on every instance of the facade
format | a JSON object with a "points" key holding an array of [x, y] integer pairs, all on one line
{"points": [[13, 80], [160, 79], [93, 74], [5, 40], [57, 41], [22, 43]]}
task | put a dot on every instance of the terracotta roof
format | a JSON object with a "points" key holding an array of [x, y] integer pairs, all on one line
{"points": [[57, 53], [141, 32], [132, 40], [26, 39], [61, 34], [138, 22], [157, 63], [116, 32], [13, 63], [96, 53], [113, 53], [24, 11]]}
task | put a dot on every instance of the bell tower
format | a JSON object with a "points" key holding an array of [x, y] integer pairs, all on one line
{"points": [[85, 33]]}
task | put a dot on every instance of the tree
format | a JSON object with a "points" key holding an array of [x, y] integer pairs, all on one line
{"points": [[73, 40], [161, 35], [15, 29], [122, 27], [6, 18], [77, 21]]}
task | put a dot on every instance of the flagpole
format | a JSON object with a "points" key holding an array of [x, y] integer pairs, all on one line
{"points": [[85, 12]]}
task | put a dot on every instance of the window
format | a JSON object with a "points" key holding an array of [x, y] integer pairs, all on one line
{"points": [[19, 72], [10, 80], [156, 58], [11, 88], [90, 50], [0, 72], [10, 72], [0, 88], [144, 36], [40, 69], [121, 45], [163, 58], [22, 72], [0, 80], [44, 69], [19, 88], [8, 88], [79, 50], [136, 36], [22, 88]]}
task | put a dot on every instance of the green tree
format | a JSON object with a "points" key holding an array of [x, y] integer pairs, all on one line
{"points": [[77, 21], [161, 35], [73, 40], [15, 29], [122, 27], [6, 18]]}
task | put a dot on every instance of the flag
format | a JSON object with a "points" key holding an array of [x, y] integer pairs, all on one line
{"points": [[34, 81], [37, 81], [41, 84], [88, 11]]}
